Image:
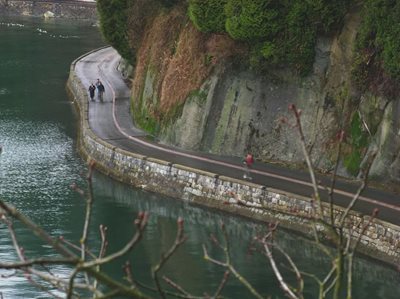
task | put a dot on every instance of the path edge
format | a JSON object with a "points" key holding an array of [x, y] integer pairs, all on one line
{"points": [[237, 197]]}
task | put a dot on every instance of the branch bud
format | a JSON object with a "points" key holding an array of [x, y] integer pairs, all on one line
{"points": [[283, 120], [141, 215], [180, 222], [92, 163]]}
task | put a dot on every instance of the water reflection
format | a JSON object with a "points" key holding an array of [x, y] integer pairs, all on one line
{"points": [[193, 272], [39, 162], [37, 133]]}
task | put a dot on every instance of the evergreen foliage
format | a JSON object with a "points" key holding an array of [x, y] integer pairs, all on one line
{"points": [[326, 15], [113, 25], [279, 32], [377, 58], [252, 19], [208, 16], [300, 36], [169, 3]]}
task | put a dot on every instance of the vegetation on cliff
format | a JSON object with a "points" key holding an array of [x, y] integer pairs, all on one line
{"points": [[122, 22], [175, 45], [377, 53], [114, 25], [280, 33], [208, 16]]}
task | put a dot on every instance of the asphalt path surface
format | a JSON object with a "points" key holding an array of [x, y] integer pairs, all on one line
{"points": [[112, 122]]}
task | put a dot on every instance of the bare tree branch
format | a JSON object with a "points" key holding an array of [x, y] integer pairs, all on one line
{"points": [[306, 154], [89, 203], [177, 287], [222, 284], [227, 264], [140, 223], [358, 193], [334, 175], [38, 261], [38, 231], [179, 240]]}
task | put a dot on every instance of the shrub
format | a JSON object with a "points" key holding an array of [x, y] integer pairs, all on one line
{"points": [[252, 19], [113, 25], [270, 51], [282, 32], [207, 15], [300, 34], [327, 14], [391, 44], [379, 32], [170, 3]]}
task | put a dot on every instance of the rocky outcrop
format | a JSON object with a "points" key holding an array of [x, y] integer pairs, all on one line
{"points": [[230, 109]]}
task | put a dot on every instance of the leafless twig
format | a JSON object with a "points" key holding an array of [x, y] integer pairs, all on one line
{"points": [[179, 240]]}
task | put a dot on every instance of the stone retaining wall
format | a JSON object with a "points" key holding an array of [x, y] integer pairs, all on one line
{"points": [[60, 9], [381, 240]]}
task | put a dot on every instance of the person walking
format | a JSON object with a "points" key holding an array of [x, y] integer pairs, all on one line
{"points": [[92, 89], [100, 89], [248, 161]]}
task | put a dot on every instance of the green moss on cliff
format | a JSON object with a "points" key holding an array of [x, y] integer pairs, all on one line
{"points": [[358, 143]]}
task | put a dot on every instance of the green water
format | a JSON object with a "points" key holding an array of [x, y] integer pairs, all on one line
{"points": [[39, 162]]}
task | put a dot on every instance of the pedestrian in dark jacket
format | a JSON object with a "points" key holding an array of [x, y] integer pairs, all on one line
{"points": [[92, 89], [100, 89]]}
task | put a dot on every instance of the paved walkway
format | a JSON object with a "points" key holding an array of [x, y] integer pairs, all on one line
{"points": [[111, 121]]}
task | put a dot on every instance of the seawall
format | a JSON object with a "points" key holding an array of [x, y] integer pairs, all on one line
{"points": [[81, 10], [381, 240]]}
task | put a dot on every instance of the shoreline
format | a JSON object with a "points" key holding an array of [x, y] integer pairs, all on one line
{"points": [[75, 10], [210, 190]]}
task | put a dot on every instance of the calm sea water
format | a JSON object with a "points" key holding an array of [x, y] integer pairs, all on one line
{"points": [[39, 162]]}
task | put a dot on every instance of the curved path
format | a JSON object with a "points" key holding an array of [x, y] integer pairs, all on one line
{"points": [[111, 121]]}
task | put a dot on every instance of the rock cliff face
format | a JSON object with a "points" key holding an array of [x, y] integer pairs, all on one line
{"points": [[190, 88]]}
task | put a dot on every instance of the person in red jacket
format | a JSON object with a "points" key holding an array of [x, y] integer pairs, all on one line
{"points": [[248, 161]]}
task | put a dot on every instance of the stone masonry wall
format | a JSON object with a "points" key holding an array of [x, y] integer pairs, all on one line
{"points": [[60, 9], [381, 240]]}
